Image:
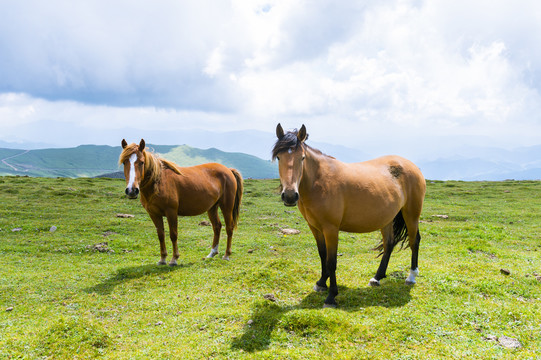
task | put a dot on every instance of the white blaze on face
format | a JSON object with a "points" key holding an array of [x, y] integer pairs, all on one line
{"points": [[131, 180]]}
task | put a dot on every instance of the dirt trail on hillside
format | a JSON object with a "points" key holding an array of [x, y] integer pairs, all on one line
{"points": [[11, 157]]}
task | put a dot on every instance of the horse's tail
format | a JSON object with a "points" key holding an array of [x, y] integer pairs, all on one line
{"points": [[238, 196], [400, 233]]}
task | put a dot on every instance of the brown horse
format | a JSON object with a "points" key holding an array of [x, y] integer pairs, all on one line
{"points": [[382, 194], [172, 191]]}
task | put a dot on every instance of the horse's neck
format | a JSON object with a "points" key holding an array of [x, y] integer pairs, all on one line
{"points": [[315, 165], [150, 177]]}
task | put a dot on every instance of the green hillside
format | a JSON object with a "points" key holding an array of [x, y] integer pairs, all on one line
{"points": [[93, 160], [250, 166]]}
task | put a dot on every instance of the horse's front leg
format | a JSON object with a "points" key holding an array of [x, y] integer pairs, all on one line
{"points": [[331, 242], [158, 223], [321, 284], [172, 220]]}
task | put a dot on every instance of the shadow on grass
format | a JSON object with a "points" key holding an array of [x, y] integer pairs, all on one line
{"points": [[266, 315], [131, 273]]}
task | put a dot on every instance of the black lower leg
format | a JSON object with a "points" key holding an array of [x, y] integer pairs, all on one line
{"points": [[322, 282], [382, 270], [415, 252], [333, 288]]}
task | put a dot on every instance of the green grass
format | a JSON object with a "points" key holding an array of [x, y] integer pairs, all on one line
{"points": [[60, 299]]}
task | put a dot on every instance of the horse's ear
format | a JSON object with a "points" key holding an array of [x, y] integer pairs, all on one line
{"points": [[142, 145], [301, 135], [279, 131], [124, 143]]}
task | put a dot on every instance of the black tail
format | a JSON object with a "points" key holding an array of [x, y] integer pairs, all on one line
{"points": [[400, 232]]}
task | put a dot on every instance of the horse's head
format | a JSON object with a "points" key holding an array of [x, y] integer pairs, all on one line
{"points": [[289, 151], [133, 159]]}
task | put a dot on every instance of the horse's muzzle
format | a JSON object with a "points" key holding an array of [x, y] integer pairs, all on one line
{"points": [[290, 197], [132, 192]]}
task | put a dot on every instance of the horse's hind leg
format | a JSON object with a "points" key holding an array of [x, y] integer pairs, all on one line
{"points": [[229, 227], [414, 241], [388, 237], [411, 218], [216, 228], [172, 220]]}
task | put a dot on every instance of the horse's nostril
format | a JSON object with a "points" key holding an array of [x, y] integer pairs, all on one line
{"points": [[290, 197], [132, 192]]}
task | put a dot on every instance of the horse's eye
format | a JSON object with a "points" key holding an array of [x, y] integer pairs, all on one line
{"points": [[278, 158]]}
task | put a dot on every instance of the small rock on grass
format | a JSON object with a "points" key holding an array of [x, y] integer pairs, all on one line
{"points": [[125, 216], [53, 229], [290, 231], [508, 342], [505, 271], [270, 297], [9, 308], [505, 341]]}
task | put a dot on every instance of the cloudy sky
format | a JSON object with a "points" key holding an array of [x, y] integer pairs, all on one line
{"points": [[357, 73]]}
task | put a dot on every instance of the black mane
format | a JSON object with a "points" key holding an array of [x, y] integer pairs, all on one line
{"points": [[286, 142]]}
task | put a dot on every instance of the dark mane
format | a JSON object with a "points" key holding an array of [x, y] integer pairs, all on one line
{"points": [[290, 141], [286, 142]]}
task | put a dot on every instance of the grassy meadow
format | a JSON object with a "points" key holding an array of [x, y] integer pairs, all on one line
{"points": [[65, 294]]}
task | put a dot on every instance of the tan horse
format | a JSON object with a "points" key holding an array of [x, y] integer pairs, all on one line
{"points": [[172, 191], [382, 194]]}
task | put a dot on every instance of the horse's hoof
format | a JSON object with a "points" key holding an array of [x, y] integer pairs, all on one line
{"points": [[332, 306], [162, 262], [318, 288], [226, 257], [410, 280], [173, 263], [373, 282]]}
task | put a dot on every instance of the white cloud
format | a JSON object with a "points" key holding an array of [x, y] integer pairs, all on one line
{"points": [[390, 67]]}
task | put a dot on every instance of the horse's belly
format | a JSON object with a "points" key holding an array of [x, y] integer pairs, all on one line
{"points": [[363, 222], [194, 208], [361, 227]]}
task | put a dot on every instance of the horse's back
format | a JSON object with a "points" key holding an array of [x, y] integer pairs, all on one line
{"points": [[198, 188]]}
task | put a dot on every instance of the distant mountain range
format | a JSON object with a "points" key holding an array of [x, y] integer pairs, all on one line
{"points": [[246, 151], [100, 160]]}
